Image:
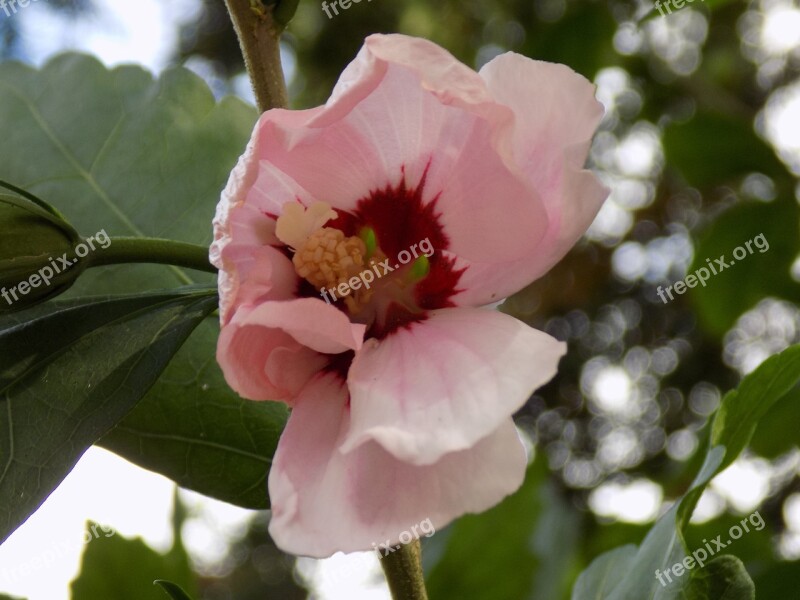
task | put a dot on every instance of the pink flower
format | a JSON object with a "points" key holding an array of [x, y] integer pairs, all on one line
{"points": [[401, 394]]}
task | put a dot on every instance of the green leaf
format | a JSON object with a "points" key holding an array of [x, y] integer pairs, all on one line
{"points": [[582, 38], [742, 409], [603, 575], [126, 569], [527, 543], [116, 150], [665, 545], [755, 277], [724, 578], [120, 151], [173, 590], [284, 11], [192, 429], [773, 581], [72, 373], [777, 431], [712, 149]]}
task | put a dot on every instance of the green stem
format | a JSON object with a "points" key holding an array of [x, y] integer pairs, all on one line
{"points": [[259, 37], [403, 570], [152, 250]]}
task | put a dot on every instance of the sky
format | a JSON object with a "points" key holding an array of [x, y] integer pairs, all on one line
{"points": [[132, 502]]}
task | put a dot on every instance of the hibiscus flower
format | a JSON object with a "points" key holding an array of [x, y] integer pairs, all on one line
{"points": [[402, 392]]}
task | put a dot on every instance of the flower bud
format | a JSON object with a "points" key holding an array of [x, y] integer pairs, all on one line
{"points": [[37, 260]]}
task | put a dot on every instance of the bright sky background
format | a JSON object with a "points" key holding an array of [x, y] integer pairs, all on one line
{"points": [[134, 502]]}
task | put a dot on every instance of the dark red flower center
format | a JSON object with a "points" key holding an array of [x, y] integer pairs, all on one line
{"points": [[386, 260]]}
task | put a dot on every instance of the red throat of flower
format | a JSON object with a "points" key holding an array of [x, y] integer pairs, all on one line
{"points": [[385, 263]]}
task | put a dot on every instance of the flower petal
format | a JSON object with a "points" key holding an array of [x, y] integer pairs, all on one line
{"points": [[407, 110], [269, 352], [244, 228], [550, 145], [255, 274], [324, 501], [441, 385]]}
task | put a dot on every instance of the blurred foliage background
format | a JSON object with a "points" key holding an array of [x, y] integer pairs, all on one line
{"points": [[701, 148]]}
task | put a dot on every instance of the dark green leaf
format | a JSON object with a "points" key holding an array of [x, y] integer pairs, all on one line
{"points": [[126, 569], [712, 149], [772, 582], [526, 543], [777, 431], [724, 578], [173, 590], [119, 151], [759, 274], [71, 374], [193, 430], [581, 39]]}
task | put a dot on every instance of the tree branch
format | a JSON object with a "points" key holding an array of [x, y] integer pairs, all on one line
{"points": [[259, 37]]}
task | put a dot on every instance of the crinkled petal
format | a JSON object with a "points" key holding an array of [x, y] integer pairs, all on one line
{"points": [[257, 274], [269, 352], [325, 501], [441, 385], [244, 228]]}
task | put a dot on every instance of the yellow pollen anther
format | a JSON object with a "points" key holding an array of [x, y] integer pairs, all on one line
{"points": [[328, 258]]}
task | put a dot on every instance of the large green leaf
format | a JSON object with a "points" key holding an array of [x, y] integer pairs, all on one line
{"points": [[127, 569], [193, 430], [759, 274], [527, 545], [72, 373], [665, 545], [120, 151]]}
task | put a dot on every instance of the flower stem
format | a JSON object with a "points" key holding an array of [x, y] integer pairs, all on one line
{"points": [[403, 570], [259, 37], [152, 250]]}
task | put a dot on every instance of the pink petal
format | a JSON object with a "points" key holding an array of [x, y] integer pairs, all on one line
{"points": [[441, 385], [269, 352], [325, 501], [403, 109], [244, 227], [255, 274], [556, 114]]}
